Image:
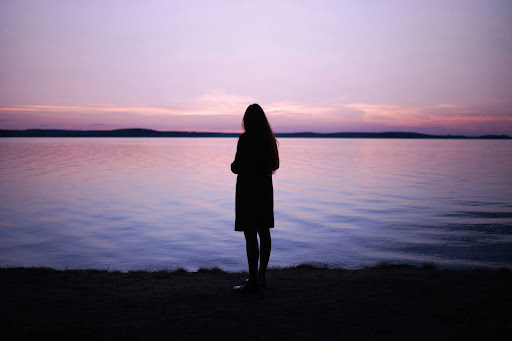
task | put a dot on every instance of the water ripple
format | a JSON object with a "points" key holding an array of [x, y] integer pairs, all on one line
{"points": [[165, 203]]}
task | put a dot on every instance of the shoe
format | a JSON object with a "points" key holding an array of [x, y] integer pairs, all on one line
{"points": [[262, 283], [246, 287]]}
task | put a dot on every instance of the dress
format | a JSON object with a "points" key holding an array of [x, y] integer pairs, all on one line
{"points": [[254, 205]]}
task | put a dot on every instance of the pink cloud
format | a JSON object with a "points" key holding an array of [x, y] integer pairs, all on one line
{"points": [[221, 111]]}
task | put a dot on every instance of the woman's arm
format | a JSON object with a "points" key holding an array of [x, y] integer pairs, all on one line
{"points": [[236, 165], [277, 165]]}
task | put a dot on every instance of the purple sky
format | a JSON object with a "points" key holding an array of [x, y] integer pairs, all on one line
{"points": [[434, 66]]}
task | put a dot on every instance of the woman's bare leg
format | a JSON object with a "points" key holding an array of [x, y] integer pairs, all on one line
{"points": [[265, 246], [251, 246]]}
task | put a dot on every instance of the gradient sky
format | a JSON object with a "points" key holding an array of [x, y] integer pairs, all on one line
{"points": [[433, 66]]}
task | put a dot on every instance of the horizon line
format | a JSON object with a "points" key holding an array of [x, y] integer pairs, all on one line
{"points": [[20, 133]]}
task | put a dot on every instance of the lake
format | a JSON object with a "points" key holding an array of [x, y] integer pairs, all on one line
{"points": [[163, 203]]}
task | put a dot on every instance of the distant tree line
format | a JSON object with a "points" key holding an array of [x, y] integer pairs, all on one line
{"points": [[155, 133]]}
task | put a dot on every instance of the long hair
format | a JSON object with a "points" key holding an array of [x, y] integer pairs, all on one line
{"points": [[255, 123]]}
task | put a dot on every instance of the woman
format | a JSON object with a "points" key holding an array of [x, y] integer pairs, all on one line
{"points": [[256, 160]]}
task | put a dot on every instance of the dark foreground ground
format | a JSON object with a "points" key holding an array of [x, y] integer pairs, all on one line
{"points": [[302, 303]]}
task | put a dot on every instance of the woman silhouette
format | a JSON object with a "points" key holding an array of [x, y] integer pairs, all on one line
{"points": [[256, 160]]}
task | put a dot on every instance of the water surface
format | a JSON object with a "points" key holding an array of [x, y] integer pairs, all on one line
{"points": [[149, 203]]}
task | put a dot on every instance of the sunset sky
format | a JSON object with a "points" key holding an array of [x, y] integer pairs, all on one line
{"points": [[433, 66]]}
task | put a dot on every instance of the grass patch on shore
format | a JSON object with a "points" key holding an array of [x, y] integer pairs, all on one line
{"points": [[214, 269], [382, 265], [312, 266]]}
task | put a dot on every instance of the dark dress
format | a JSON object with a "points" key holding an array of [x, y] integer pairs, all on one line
{"points": [[254, 192]]}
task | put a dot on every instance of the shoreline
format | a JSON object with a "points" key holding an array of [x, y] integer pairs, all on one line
{"points": [[303, 302], [380, 265]]}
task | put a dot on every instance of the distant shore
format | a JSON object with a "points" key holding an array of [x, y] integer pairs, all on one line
{"points": [[304, 303], [155, 133]]}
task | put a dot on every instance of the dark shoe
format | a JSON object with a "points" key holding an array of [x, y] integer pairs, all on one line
{"points": [[262, 283], [246, 287]]}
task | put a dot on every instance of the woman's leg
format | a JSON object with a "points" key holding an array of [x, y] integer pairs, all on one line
{"points": [[251, 245], [265, 246]]}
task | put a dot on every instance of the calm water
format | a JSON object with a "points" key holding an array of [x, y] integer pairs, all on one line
{"points": [[140, 203]]}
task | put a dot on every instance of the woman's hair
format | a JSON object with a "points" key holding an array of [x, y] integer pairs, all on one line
{"points": [[255, 123]]}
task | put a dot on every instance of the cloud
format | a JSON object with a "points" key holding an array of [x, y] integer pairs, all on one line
{"points": [[221, 111], [378, 113], [92, 109], [212, 103], [440, 114]]}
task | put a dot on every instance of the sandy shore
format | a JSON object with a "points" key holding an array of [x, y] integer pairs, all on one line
{"points": [[302, 303]]}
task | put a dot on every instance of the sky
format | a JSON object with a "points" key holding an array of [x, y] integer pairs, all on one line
{"points": [[430, 66]]}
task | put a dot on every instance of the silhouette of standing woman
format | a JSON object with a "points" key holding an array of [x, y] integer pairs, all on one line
{"points": [[256, 160]]}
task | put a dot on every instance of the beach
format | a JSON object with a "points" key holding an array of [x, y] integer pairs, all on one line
{"points": [[301, 303]]}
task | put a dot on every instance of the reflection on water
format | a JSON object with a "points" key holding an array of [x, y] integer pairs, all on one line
{"points": [[139, 203]]}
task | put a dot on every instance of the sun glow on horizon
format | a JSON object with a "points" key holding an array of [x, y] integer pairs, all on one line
{"points": [[341, 116]]}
